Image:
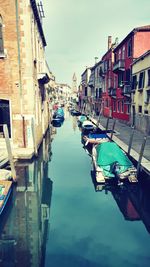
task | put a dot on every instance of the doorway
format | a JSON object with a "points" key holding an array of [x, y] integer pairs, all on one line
{"points": [[4, 116]]}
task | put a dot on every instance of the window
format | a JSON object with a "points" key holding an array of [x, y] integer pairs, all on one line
{"points": [[114, 105], [122, 106], [128, 72], [106, 103], [123, 52], [100, 92], [130, 48], [119, 55], [148, 73], [134, 82], [128, 109], [140, 109], [146, 112], [146, 96], [120, 78], [105, 65], [141, 80], [1, 36], [96, 93], [85, 91], [118, 106]]}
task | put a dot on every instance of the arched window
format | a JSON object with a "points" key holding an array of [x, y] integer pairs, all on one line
{"points": [[1, 36]]}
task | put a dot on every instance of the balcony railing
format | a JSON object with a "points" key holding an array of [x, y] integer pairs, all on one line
{"points": [[126, 90], [112, 91], [119, 65]]}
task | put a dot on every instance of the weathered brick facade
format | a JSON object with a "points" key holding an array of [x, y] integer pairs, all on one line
{"points": [[21, 64]]}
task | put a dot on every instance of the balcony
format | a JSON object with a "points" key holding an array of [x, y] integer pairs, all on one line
{"points": [[119, 65], [112, 91], [91, 82], [126, 90]]}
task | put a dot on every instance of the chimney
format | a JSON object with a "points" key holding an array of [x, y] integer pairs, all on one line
{"points": [[96, 58], [109, 42]]}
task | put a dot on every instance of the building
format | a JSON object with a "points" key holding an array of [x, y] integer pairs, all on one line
{"points": [[85, 93], [109, 79], [63, 92], [140, 106], [131, 47], [96, 83], [23, 73]]}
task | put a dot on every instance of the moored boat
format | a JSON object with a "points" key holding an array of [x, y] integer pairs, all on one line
{"points": [[81, 119], [75, 112], [87, 127], [5, 191], [58, 117], [111, 163]]}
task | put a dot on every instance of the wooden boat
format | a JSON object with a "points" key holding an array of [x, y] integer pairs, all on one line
{"points": [[111, 163], [5, 191], [87, 127], [81, 119], [58, 117], [75, 112]]}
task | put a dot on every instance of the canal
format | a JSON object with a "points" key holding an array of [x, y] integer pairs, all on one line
{"points": [[56, 216]]}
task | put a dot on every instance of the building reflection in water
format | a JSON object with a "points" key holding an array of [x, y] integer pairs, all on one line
{"points": [[132, 199], [24, 223]]}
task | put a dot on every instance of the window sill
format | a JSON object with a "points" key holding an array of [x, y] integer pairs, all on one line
{"points": [[2, 55]]}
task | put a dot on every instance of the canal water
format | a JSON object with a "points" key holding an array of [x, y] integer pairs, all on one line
{"points": [[57, 216]]}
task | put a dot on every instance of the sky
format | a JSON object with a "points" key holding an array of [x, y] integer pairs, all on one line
{"points": [[77, 31]]}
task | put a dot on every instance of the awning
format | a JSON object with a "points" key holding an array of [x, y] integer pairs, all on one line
{"points": [[43, 78]]}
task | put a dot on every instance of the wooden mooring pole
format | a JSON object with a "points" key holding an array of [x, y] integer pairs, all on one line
{"points": [[112, 131], [141, 154], [9, 151], [107, 123], [131, 139]]}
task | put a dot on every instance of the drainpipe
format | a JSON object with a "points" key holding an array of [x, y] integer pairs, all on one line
{"points": [[20, 78]]}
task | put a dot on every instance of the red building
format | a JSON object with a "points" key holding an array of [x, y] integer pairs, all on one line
{"points": [[109, 79], [131, 47]]}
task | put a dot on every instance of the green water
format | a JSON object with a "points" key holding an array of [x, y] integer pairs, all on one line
{"points": [[55, 217], [89, 228]]}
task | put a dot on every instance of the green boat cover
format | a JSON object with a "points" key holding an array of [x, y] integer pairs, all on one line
{"points": [[82, 118], [109, 153]]}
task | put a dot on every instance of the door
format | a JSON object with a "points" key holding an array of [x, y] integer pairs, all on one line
{"points": [[4, 116]]}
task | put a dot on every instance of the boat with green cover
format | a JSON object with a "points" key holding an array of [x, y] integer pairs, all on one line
{"points": [[111, 162]]}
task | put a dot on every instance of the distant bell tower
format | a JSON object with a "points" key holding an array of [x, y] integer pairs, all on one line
{"points": [[74, 83]]}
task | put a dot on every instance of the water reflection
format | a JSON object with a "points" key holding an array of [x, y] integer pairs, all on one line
{"points": [[132, 199], [25, 222]]}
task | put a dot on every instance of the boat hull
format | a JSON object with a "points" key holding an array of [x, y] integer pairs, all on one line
{"points": [[5, 191]]}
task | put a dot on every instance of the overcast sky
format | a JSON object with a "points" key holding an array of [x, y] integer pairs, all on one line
{"points": [[76, 31]]}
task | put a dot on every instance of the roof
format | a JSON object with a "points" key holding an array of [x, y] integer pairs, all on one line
{"points": [[147, 53], [145, 28]]}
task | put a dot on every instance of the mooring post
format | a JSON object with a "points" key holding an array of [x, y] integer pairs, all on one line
{"points": [[141, 154], [9, 151], [131, 139], [34, 136], [112, 131], [98, 121], [107, 123]]}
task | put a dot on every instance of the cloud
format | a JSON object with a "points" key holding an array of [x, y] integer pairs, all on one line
{"points": [[76, 30]]}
